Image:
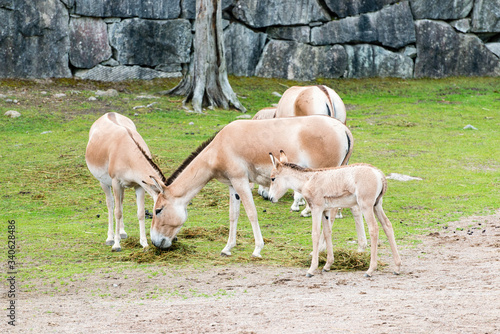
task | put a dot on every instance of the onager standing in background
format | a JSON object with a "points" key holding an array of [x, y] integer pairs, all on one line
{"points": [[330, 188]]}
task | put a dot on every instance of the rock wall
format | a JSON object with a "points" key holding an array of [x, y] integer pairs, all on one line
{"points": [[292, 39]]}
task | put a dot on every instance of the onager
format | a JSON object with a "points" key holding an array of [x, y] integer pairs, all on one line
{"points": [[357, 185], [311, 100], [236, 156], [304, 101], [119, 158]]}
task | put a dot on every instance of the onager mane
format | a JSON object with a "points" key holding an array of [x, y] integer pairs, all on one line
{"points": [[148, 158], [189, 159], [304, 169]]}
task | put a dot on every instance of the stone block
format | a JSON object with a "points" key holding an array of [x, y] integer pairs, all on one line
{"points": [[297, 61], [441, 9], [442, 52], [147, 9], [265, 13], [34, 40], [392, 26], [365, 60], [88, 42], [243, 49], [151, 42], [120, 73]]}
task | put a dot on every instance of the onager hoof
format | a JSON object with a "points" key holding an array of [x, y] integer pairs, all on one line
{"points": [[368, 275], [225, 254], [123, 235], [309, 275], [396, 273], [110, 242], [117, 249]]}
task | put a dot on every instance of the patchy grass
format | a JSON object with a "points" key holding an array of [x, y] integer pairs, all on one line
{"points": [[412, 127]]}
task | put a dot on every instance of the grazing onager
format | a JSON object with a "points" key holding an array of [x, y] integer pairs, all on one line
{"points": [[238, 155], [119, 158], [359, 185]]}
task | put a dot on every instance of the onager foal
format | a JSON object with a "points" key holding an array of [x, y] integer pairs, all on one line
{"points": [[119, 158], [325, 189]]}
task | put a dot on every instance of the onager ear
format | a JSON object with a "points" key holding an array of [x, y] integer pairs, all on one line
{"points": [[273, 160], [158, 186], [283, 157]]}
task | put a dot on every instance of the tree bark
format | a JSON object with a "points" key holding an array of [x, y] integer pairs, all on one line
{"points": [[205, 83]]}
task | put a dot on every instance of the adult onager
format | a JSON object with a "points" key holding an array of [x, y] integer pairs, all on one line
{"points": [[119, 158], [311, 100], [325, 189], [238, 155]]}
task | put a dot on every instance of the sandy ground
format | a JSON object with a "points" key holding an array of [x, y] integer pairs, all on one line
{"points": [[450, 283]]}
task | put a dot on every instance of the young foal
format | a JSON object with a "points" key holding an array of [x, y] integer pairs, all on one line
{"points": [[359, 185], [238, 155], [119, 158]]}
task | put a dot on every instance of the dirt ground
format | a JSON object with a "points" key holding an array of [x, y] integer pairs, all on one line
{"points": [[450, 283]]}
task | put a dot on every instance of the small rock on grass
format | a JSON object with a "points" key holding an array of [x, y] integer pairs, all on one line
{"points": [[108, 93], [12, 114], [401, 177]]}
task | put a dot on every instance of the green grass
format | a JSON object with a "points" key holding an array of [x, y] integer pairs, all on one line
{"points": [[412, 127]]}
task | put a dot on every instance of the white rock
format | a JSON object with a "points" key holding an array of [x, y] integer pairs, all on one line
{"points": [[469, 127], [57, 96], [12, 114], [402, 177], [92, 98], [109, 92]]}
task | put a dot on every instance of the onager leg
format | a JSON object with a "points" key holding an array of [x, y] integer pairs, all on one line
{"points": [[139, 194], [110, 204], [389, 232], [298, 200], [245, 193], [327, 232], [234, 212], [329, 216], [118, 193], [360, 228], [317, 214], [373, 229]]}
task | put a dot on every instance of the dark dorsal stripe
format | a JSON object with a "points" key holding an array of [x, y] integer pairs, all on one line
{"points": [[189, 159], [148, 158]]}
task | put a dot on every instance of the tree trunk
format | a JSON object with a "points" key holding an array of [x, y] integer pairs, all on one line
{"points": [[206, 83]]}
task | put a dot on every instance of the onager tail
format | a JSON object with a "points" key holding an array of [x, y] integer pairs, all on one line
{"points": [[349, 148], [382, 192], [325, 91]]}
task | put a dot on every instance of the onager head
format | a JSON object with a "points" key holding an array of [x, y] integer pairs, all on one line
{"points": [[279, 185], [168, 216]]}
